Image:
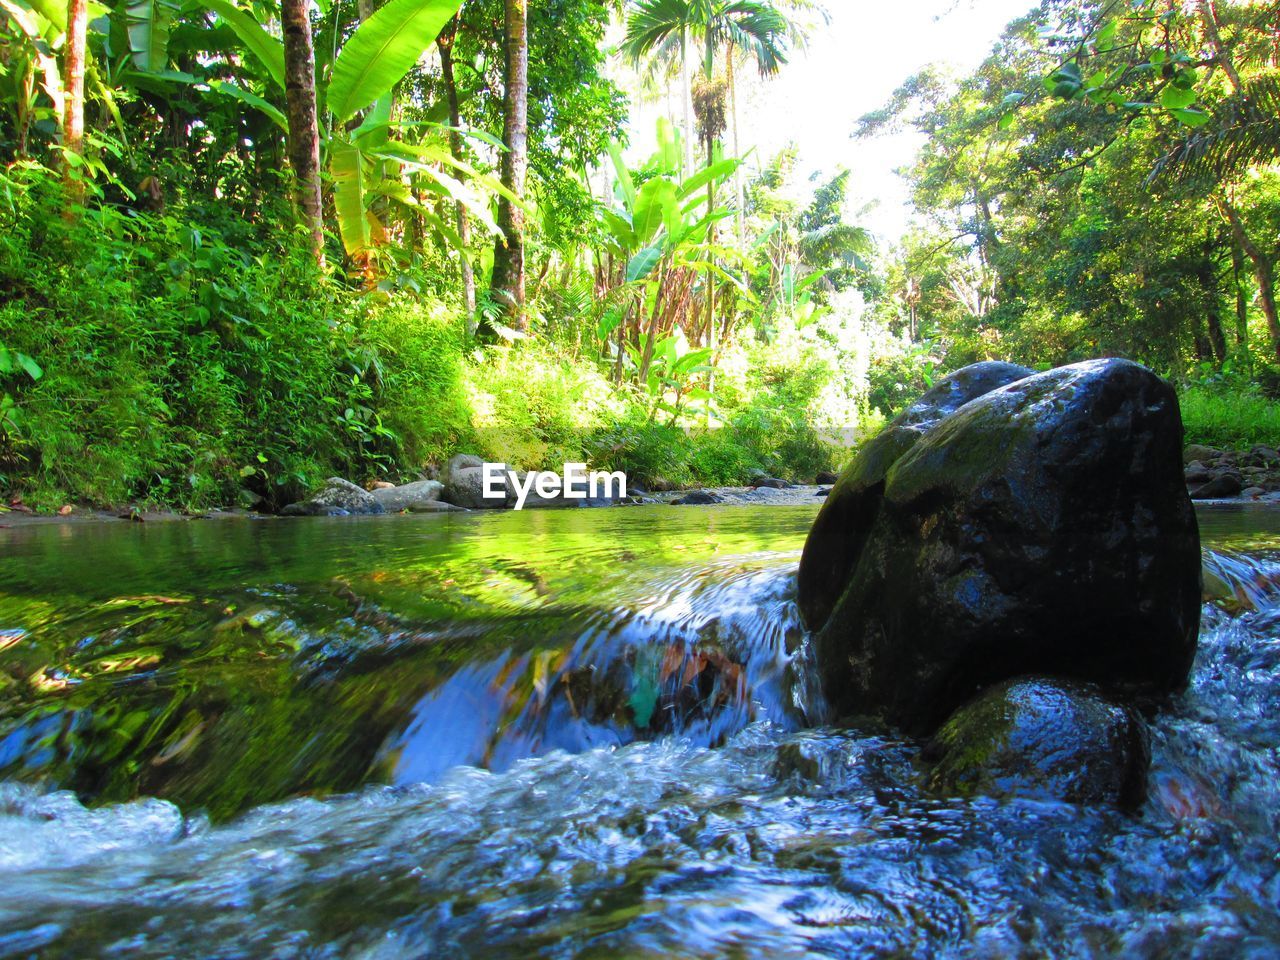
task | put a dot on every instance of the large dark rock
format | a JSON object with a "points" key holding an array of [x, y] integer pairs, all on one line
{"points": [[1226, 482], [838, 533], [1041, 528], [1044, 738]]}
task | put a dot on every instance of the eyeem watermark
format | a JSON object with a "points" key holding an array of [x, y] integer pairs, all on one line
{"points": [[573, 483]]}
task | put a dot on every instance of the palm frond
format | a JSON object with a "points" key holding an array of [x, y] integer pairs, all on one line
{"points": [[653, 22], [837, 241], [1244, 134], [755, 27]]}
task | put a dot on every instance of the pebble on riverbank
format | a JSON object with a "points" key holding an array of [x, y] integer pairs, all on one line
{"points": [[1215, 474]]}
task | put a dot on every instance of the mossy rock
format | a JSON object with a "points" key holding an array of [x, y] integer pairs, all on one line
{"points": [[1042, 738]]}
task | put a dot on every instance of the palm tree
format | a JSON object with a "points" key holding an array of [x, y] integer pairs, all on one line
{"points": [[668, 28], [444, 43]]}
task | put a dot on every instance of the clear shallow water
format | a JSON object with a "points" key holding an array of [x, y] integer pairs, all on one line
{"points": [[569, 734]]}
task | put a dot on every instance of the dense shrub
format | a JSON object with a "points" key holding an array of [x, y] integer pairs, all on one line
{"points": [[177, 368], [198, 366]]}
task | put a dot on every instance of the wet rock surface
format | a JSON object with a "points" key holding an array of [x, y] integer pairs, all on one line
{"points": [[434, 506], [835, 543], [1041, 737], [464, 485], [1042, 528], [697, 498]]}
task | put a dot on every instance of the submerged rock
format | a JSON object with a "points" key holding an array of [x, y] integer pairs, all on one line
{"points": [[395, 499], [698, 498], [1038, 737], [1041, 528], [434, 506], [336, 498]]}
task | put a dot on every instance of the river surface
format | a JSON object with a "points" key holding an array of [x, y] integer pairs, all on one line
{"points": [[581, 733]]}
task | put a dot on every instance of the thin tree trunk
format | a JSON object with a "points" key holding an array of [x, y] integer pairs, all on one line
{"points": [[1242, 303], [304, 129], [686, 93], [507, 285], [26, 110], [445, 44], [1208, 277], [1263, 271], [73, 100], [738, 193], [1209, 16]]}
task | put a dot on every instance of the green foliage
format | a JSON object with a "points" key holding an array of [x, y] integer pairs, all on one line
{"points": [[1053, 228], [382, 50], [167, 374], [414, 351], [175, 344], [1228, 409]]}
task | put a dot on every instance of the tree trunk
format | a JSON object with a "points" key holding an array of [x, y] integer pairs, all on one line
{"points": [[507, 285], [304, 129], [1242, 303], [1263, 272], [73, 100], [1207, 274], [1204, 352], [738, 192], [686, 93], [1209, 17], [445, 44]]}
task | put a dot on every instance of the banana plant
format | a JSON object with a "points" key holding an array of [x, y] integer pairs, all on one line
{"points": [[660, 233], [367, 164], [797, 296]]}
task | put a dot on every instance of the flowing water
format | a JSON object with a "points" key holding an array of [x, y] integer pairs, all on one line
{"points": [[584, 733]]}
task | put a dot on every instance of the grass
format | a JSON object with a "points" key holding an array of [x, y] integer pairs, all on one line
{"points": [[1229, 419]]}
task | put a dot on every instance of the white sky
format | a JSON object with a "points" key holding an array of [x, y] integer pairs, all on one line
{"points": [[850, 68]]}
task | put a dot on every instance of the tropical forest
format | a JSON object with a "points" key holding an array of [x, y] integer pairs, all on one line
{"points": [[639, 478]]}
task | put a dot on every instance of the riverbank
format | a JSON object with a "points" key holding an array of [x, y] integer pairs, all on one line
{"points": [[791, 496], [1213, 475]]}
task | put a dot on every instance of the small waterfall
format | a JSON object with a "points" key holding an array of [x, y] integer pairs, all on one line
{"points": [[699, 655], [1246, 582]]}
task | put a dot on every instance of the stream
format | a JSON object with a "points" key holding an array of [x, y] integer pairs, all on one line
{"points": [[572, 733]]}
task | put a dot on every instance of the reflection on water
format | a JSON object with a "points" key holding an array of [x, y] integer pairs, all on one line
{"points": [[224, 665], [569, 734]]}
